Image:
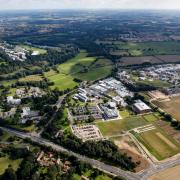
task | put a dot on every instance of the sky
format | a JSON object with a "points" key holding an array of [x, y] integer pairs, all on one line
{"points": [[89, 4]]}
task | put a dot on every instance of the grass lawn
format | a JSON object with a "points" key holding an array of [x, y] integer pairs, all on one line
{"points": [[124, 113], [95, 74], [150, 117], [62, 81], [34, 78], [7, 83], [158, 143], [5, 162], [103, 177], [81, 67], [12, 91], [111, 128], [31, 48], [25, 128]]}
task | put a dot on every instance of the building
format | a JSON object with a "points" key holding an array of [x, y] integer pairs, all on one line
{"points": [[109, 113], [12, 101], [119, 101], [82, 97], [27, 113], [140, 107]]}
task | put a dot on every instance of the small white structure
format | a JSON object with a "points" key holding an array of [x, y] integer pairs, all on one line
{"points": [[26, 112], [12, 101]]}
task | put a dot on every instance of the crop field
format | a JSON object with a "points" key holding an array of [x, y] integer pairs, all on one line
{"points": [[158, 144], [171, 173], [149, 48], [126, 61], [30, 78], [171, 107], [113, 128], [81, 67], [5, 162], [31, 48]]}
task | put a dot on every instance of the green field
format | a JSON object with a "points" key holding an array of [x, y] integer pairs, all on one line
{"points": [[156, 83], [5, 162], [149, 48], [158, 144], [112, 128], [150, 117], [81, 67], [31, 48]]}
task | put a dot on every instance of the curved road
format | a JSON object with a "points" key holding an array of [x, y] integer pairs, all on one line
{"points": [[143, 175]]}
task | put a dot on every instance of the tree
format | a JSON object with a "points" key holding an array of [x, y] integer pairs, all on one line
{"points": [[9, 174]]}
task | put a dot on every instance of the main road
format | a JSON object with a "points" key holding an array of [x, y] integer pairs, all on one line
{"points": [[95, 163], [143, 175]]}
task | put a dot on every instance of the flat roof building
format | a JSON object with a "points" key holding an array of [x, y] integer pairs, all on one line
{"points": [[140, 107]]}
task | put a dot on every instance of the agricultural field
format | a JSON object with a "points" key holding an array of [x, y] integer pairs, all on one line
{"points": [[160, 59], [81, 67], [147, 48], [158, 143], [33, 78], [5, 162], [170, 106], [116, 127], [34, 49], [171, 173]]}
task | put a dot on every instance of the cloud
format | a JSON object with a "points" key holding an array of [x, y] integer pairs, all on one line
{"points": [[89, 4]]}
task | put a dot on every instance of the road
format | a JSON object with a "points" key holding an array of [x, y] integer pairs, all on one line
{"points": [[143, 175]]}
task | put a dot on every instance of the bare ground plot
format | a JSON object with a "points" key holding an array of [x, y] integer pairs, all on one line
{"points": [[158, 144], [127, 145], [168, 174], [157, 95], [125, 61], [169, 58], [171, 107]]}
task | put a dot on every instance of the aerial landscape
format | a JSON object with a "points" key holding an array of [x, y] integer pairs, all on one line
{"points": [[89, 93]]}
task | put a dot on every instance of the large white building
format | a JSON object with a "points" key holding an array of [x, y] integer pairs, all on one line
{"points": [[140, 107]]}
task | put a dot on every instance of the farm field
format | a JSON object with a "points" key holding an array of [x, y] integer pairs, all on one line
{"points": [[5, 162], [113, 128], [148, 48], [158, 143], [126, 61], [170, 107], [81, 67], [34, 78], [171, 173]]}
